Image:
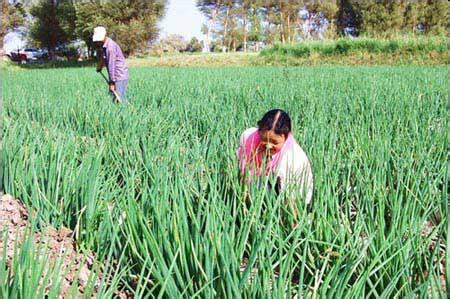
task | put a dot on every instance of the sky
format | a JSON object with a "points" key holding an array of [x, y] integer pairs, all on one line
{"points": [[182, 17]]}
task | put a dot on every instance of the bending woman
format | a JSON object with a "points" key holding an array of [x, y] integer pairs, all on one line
{"points": [[271, 149]]}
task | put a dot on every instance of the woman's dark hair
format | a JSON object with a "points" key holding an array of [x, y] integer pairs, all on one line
{"points": [[277, 120]]}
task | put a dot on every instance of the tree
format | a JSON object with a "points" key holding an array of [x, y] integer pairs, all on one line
{"points": [[379, 17], [235, 28], [245, 13], [289, 19], [53, 24], [224, 16], [325, 11], [132, 23], [414, 14], [255, 33], [271, 19], [233, 23], [210, 9], [394, 16], [194, 45], [173, 43], [88, 16], [346, 16], [13, 16], [436, 17]]}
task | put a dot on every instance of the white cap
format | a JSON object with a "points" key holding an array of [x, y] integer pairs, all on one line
{"points": [[99, 34]]}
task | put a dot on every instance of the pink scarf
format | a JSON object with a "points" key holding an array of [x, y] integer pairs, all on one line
{"points": [[251, 157]]}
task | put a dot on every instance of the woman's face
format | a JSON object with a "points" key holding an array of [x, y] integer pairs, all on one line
{"points": [[271, 142]]}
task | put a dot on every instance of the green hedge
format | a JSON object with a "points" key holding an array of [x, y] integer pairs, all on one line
{"points": [[345, 46]]}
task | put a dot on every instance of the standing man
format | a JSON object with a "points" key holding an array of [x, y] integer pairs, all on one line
{"points": [[113, 59]]}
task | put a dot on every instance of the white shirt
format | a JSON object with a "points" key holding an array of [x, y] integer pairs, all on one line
{"points": [[294, 169]]}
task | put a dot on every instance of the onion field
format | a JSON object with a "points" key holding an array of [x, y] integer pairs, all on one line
{"points": [[152, 191]]}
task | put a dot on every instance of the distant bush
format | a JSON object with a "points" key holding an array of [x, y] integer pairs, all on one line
{"points": [[343, 46]]}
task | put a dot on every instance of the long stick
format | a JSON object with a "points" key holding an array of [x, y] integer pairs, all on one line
{"points": [[116, 95]]}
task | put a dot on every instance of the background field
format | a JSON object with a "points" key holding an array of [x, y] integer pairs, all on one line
{"points": [[154, 185]]}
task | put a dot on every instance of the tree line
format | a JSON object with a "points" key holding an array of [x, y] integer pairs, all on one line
{"points": [[233, 24], [230, 24], [133, 23]]}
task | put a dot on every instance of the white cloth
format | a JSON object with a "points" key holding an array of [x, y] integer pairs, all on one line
{"points": [[294, 169]]}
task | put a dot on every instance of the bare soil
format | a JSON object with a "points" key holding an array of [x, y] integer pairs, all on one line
{"points": [[56, 243]]}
